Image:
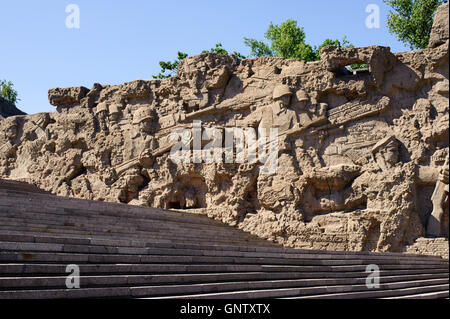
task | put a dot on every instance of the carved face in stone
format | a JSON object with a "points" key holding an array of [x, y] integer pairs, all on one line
{"points": [[102, 115], [146, 126], [283, 102], [391, 153], [114, 117], [301, 105], [11, 132], [388, 155]]}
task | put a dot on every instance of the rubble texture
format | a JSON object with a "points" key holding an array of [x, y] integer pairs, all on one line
{"points": [[359, 171], [430, 246]]}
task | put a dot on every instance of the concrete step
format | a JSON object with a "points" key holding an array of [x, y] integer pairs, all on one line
{"points": [[30, 250], [333, 292], [99, 227], [401, 293], [116, 292], [220, 290], [17, 269], [264, 279], [20, 186], [140, 208], [62, 217], [63, 210], [43, 257], [430, 295], [105, 240], [45, 229], [240, 250], [37, 237], [118, 221], [129, 251], [269, 288], [54, 204], [179, 230]]}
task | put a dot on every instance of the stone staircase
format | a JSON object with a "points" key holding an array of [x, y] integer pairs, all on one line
{"points": [[430, 246], [134, 252], [20, 186]]}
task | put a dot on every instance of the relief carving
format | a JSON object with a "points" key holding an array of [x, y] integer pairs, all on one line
{"points": [[356, 151]]}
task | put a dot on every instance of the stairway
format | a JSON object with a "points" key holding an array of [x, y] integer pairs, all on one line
{"points": [[135, 252]]}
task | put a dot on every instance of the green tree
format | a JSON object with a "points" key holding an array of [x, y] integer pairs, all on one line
{"points": [[340, 44], [336, 43], [7, 92], [412, 20], [288, 41], [258, 48], [169, 69], [220, 50]]}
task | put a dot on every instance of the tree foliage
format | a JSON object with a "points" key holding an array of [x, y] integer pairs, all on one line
{"points": [[412, 20], [258, 48], [7, 92], [220, 50], [288, 41], [169, 69]]}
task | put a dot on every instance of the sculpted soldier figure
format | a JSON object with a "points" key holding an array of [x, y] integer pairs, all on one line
{"points": [[10, 135], [8, 145], [280, 116], [114, 113], [391, 193], [436, 175], [138, 146], [143, 142], [386, 189], [138, 140], [101, 112], [436, 226], [385, 153], [277, 115]]}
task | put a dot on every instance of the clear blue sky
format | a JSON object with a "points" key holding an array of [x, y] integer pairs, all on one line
{"points": [[120, 41]]}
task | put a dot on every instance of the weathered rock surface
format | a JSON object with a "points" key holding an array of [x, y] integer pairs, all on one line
{"points": [[66, 96], [439, 33], [430, 246], [7, 109], [360, 161]]}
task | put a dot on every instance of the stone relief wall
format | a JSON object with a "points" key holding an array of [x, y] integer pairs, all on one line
{"points": [[430, 246], [362, 158]]}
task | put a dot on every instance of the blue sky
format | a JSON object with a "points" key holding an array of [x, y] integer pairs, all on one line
{"points": [[120, 41]]}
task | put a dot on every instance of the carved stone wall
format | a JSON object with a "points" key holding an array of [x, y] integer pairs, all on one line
{"points": [[361, 152], [430, 246]]}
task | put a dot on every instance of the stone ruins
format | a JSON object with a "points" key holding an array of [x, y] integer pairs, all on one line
{"points": [[362, 159]]}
